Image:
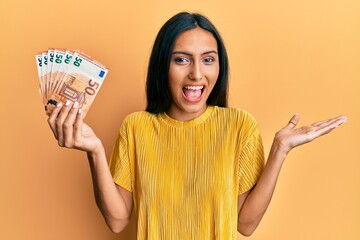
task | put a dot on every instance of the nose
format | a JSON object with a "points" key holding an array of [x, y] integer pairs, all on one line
{"points": [[195, 72]]}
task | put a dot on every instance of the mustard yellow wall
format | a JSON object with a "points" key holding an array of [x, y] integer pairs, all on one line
{"points": [[286, 57]]}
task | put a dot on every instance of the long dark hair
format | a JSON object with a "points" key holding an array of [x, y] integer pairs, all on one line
{"points": [[157, 89]]}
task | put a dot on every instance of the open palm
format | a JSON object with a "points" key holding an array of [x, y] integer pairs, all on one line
{"points": [[289, 137]]}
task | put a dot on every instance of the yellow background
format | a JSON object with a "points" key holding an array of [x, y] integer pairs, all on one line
{"points": [[286, 57]]}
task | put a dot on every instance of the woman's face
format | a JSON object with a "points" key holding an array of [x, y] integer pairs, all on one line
{"points": [[194, 69]]}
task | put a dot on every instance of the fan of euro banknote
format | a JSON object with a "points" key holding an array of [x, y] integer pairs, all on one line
{"points": [[68, 75]]}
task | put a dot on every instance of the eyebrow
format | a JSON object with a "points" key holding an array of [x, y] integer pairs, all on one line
{"points": [[189, 54]]}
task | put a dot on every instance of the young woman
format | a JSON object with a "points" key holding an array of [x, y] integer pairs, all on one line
{"points": [[189, 166]]}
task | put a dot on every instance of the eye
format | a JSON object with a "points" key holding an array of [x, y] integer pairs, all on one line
{"points": [[181, 60], [209, 60]]}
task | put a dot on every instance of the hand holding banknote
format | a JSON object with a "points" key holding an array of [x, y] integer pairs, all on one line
{"points": [[68, 84]]}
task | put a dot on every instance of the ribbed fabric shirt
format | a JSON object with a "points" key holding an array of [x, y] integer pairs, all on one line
{"points": [[185, 177]]}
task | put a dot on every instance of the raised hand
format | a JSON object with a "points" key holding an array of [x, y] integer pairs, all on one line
{"points": [[289, 137], [66, 122]]}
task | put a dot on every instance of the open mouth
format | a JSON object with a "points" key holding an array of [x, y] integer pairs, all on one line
{"points": [[193, 93]]}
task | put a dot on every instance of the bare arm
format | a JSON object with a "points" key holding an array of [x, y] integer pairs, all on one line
{"points": [[114, 202], [252, 205]]}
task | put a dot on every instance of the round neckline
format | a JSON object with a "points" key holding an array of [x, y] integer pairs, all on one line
{"points": [[196, 121]]}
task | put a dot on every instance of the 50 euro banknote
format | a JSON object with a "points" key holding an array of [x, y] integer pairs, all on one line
{"points": [[66, 75]]}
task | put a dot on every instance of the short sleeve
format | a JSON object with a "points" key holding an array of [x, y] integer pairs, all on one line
{"points": [[119, 161], [251, 158]]}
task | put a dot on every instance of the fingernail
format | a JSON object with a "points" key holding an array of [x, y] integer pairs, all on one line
{"points": [[67, 103], [59, 104], [80, 111], [76, 104]]}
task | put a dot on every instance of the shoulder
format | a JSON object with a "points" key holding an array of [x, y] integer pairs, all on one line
{"points": [[238, 114], [241, 122], [138, 119], [139, 116], [238, 120]]}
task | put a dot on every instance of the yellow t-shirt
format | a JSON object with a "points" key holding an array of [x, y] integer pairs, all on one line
{"points": [[186, 176]]}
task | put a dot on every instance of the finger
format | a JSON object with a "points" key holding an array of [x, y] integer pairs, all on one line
{"points": [[77, 127], [316, 124], [325, 128], [331, 125], [293, 121], [68, 126], [60, 121], [52, 118], [334, 120]]}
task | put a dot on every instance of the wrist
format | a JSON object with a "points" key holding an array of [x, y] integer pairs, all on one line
{"points": [[278, 151], [280, 146], [96, 152]]}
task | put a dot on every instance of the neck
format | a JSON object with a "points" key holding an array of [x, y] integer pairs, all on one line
{"points": [[184, 116]]}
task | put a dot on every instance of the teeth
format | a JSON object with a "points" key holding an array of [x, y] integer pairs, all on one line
{"points": [[194, 87]]}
